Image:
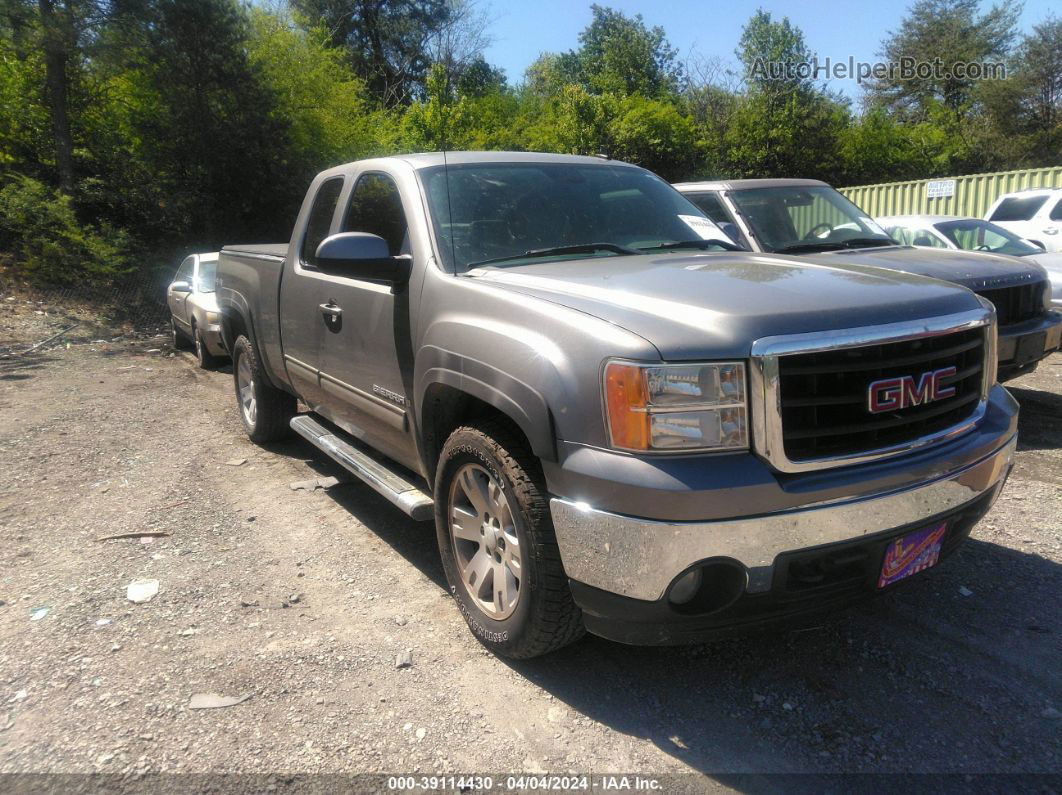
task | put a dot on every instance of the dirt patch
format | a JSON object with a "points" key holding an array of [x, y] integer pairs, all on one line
{"points": [[297, 604]]}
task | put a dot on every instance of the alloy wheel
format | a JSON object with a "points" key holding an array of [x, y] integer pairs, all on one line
{"points": [[485, 541]]}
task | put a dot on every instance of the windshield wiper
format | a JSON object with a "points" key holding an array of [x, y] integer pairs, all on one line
{"points": [[801, 248], [581, 248], [837, 245], [868, 242], [701, 244]]}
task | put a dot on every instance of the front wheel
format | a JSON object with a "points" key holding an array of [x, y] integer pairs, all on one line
{"points": [[177, 337], [498, 548], [207, 360], [264, 409]]}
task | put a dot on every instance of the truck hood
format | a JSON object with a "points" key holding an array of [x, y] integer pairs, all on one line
{"points": [[973, 269], [710, 304]]}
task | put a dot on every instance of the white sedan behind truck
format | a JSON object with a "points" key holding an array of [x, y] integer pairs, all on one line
{"points": [[194, 315]]}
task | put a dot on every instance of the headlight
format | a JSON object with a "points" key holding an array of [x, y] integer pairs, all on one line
{"points": [[676, 407], [213, 318]]}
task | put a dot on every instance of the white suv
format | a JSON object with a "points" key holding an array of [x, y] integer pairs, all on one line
{"points": [[1035, 214]]}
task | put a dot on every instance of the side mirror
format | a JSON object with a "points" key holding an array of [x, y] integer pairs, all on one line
{"points": [[181, 287], [361, 255]]}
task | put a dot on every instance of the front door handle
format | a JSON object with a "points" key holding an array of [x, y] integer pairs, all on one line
{"points": [[331, 310]]}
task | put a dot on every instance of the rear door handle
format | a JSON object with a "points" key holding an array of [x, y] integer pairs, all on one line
{"points": [[331, 310]]}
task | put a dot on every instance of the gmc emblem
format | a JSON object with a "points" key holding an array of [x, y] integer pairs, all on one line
{"points": [[903, 392]]}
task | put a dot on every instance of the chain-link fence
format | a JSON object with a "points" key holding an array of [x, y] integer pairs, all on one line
{"points": [[44, 315]]}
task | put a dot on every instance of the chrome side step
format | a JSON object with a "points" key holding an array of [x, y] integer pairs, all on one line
{"points": [[385, 482]]}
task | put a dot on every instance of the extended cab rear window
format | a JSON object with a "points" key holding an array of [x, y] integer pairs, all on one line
{"points": [[320, 220], [1018, 209]]}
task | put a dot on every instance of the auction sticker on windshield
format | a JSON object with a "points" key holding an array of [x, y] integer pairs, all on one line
{"points": [[704, 227], [911, 554]]}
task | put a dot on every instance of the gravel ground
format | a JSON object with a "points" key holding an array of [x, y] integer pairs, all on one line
{"points": [[301, 602]]}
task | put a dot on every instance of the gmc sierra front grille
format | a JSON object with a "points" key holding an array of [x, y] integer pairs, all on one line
{"points": [[1016, 304], [825, 396]]}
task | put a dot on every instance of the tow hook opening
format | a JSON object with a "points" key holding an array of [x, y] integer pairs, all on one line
{"points": [[707, 587]]}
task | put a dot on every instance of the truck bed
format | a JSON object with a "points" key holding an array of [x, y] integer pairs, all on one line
{"points": [[278, 250], [249, 280]]}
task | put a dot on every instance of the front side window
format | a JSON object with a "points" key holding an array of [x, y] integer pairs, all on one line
{"points": [[1056, 211], [508, 214], [1018, 208], [983, 236], [803, 219], [376, 207], [320, 219]]}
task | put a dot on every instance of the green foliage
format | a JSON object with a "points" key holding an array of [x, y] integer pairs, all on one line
{"points": [[327, 109], [953, 31], [39, 226], [621, 55], [385, 42], [791, 135], [195, 123], [764, 42], [24, 127], [441, 121]]}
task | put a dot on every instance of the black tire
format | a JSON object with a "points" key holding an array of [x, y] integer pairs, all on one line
{"points": [[545, 617], [207, 360], [178, 338], [272, 409]]}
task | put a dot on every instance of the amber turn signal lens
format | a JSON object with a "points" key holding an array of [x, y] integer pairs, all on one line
{"points": [[626, 399]]}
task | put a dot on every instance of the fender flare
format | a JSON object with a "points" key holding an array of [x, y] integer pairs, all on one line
{"points": [[520, 402], [228, 312]]}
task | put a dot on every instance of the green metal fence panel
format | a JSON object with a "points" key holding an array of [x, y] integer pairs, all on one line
{"points": [[969, 195]]}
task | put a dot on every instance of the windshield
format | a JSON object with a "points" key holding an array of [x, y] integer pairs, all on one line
{"points": [[208, 273], [1018, 208], [508, 214], [806, 219], [976, 235]]}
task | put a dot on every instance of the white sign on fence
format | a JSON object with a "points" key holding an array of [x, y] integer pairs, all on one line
{"points": [[940, 189]]}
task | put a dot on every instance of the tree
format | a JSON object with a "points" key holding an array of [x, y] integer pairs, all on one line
{"points": [[621, 55], [441, 121], [479, 79], [763, 45], [58, 42], [387, 41], [944, 32], [783, 125], [1039, 73], [457, 44], [327, 110]]}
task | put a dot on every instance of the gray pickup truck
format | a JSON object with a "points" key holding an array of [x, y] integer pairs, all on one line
{"points": [[808, 217], [617, 422]]}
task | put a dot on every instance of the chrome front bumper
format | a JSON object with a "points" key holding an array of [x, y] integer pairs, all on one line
{"points": [[639, 558]]}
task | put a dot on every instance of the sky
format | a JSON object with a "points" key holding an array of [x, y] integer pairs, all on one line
{"points": [[523, 29]]}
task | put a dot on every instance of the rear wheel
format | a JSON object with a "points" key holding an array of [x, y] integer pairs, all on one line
{"points": [[498, 548], [264, 409], [207, 360]]}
